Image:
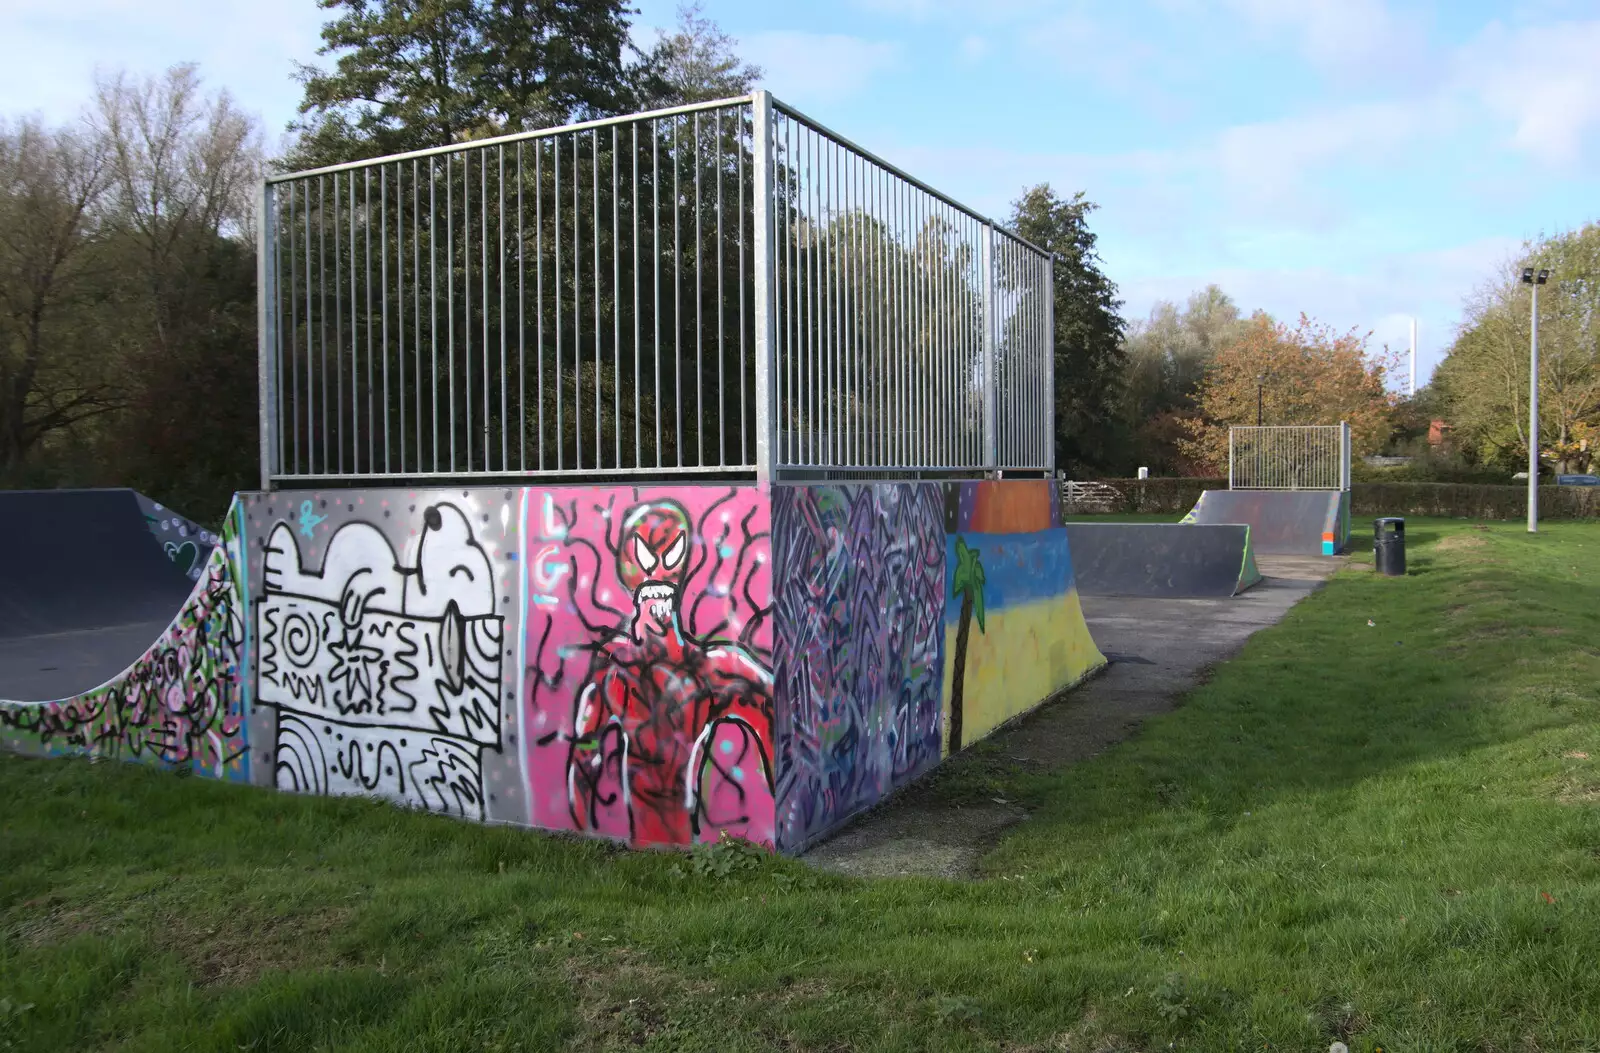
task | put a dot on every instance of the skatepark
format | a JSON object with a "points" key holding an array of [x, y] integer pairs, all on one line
{"points": [[487, 586]]}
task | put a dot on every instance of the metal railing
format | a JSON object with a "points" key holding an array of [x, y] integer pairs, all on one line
{"points": [[725, 288], [1314, 457]]}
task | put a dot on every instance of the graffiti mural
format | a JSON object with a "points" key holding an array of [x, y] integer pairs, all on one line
{"points": [[860, 634], [648, 691], [181, 704], [183, 541], [1014, 629], [384, 673]]}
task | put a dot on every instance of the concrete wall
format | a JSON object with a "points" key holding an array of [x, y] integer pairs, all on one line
{"points": [[659, 665]]}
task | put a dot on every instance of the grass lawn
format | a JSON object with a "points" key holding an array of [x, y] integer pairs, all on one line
{"points": [[1378, 824]]}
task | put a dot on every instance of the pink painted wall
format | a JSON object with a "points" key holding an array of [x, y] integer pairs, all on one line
{"points": [[646, 689]]}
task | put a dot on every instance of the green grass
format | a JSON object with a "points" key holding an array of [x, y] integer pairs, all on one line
{"points": [[1386, 834]]}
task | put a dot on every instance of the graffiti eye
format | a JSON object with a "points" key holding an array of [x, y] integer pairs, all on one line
{"points": [[642, 553], [674, 555]]}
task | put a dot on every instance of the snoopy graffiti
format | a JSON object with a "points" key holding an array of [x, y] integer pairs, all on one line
{"points": [[385, 678], [668, 729]]}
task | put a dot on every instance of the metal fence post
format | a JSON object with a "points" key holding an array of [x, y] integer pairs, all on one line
{"points": [[1230, 458], [1344, 454], [1050, 365], [266, 328], [766, 334], [991, 428]]}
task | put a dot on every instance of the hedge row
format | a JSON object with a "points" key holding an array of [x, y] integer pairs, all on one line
{"points": [[1448, 500]]}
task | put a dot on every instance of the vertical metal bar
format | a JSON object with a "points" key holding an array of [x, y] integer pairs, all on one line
{"points": [[638, 414], [1050, 364], [880, 311], [383, 244], [416, 308], [744, 426], [433, 296], [522, 324], [616, 309], [828, 220], [321, 373], [991, 447], [500, 268], [722, 430], [594, 203], [304, 198], [811, 285], [655, 257], [577, 300], [766, 329], [561, 430], [366, 223], [852, 301], [338, 321], [538, 285], [1230, 458], [450, 298], [677, 285], [266, 327], [699, 305]]}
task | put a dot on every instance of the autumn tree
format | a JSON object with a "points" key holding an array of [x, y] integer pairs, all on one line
{"points": [[1305, 375], [1483, 381], [1168, 353]]}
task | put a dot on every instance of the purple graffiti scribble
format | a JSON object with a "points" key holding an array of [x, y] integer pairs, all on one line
{"points": [[859, 601], [180, 705]]}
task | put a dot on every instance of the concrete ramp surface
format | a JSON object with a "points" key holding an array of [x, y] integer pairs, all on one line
{"points": [[1282, 522], [86, 584], [1174, 560]]}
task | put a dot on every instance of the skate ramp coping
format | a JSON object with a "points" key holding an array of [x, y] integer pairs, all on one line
{"points": [[1172, 560], [1282, 522]]}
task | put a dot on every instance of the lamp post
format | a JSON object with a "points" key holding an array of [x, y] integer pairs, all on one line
{"points": [[1534, 279], [1261, 379]]}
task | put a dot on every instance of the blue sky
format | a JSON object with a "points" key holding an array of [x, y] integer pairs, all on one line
{"points": [[1362, 161]]}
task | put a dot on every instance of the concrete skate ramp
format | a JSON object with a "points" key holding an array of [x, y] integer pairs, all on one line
{"points": [[1175, 560], [1282, 522], [85, 587]]}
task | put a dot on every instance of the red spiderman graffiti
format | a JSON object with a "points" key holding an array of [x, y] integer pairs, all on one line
{"points": [[656, 700]]}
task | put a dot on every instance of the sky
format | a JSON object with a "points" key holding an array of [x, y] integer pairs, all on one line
{"points": [[1365, 162]]}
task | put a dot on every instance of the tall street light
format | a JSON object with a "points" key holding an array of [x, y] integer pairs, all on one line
{"points": [[1261, 379], [1535, 279]]}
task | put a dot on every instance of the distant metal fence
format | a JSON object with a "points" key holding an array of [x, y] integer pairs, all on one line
{"points": [[726, 288], [1315, 457]]}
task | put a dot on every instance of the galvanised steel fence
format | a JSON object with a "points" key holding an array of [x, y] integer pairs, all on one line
{"points": [[1312, 457], [727, 288]]}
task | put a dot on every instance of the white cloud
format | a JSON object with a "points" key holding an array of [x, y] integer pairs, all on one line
{"points": [[1544, 80], [812, 68], [974, 49], [1344, 37], [244, 45]]}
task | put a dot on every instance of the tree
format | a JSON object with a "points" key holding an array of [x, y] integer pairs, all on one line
{"points": [[1483, 381], [177, 231], [1089, 357], [1305, 375], [1167, 358], [697, 62], [968, 584], [52, 182], [419, 73]]}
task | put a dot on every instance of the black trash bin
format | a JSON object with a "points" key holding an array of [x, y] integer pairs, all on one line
{"points": [[1389, 546]]}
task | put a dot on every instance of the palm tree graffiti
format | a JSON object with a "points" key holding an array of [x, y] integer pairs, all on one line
{"points": [[968, 584]]}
